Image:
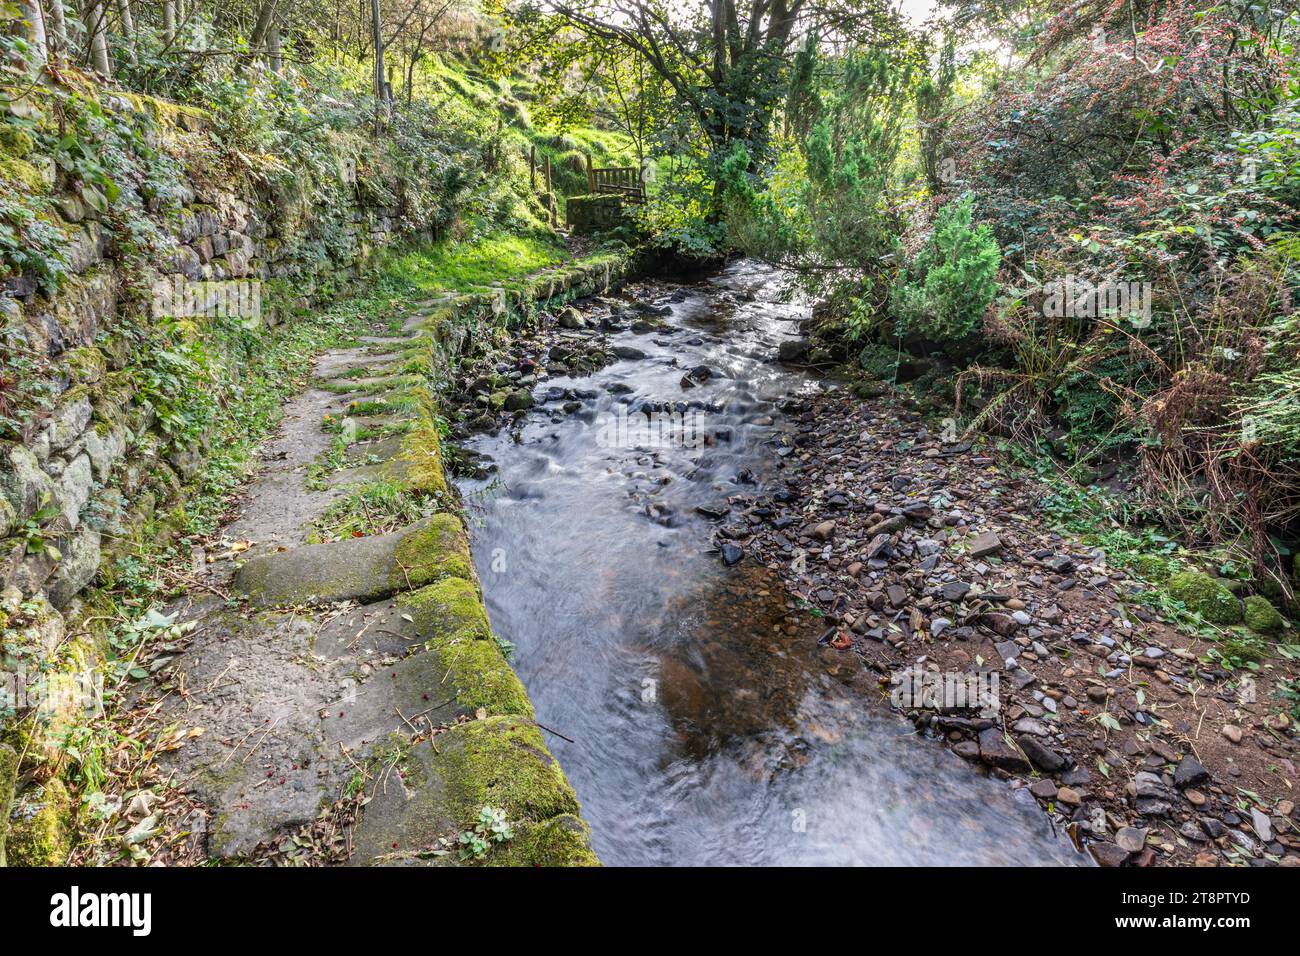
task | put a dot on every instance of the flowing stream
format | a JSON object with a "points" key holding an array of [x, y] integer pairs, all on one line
{"points": [[707, 725]]}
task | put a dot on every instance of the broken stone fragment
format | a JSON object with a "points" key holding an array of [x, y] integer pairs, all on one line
{"points": [[955, 590], [890, 525], [877, 546], [1108, 854], [1044, 758], [1002, 624], [985, 544], [1131, 839], [1189, 773], [995, 751]]}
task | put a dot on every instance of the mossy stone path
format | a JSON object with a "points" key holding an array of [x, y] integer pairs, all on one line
{"points": [[362, 663]]}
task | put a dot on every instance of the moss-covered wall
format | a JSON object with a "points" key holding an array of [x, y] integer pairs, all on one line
{"points": [[591, 214], [101, 376]]}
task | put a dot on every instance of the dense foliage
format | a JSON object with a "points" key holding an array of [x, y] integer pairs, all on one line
{"points": [[1091, 209], [1081, 213]]}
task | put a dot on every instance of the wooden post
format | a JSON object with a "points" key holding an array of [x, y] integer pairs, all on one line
{"points": [[532, 166], [550, 196], [591, 176]]}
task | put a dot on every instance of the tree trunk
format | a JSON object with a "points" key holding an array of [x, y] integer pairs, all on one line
{"points": [[128, 28], [40, 40], [58, 27], [378, 30], [97, 28], [276, 57], [169, 21], [265, 18]]}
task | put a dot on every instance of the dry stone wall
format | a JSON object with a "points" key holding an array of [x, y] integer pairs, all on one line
{"points": [[97, 453], [92, 458]]}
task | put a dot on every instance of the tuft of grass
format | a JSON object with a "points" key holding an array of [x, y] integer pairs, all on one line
{"points": [[375, 508]]}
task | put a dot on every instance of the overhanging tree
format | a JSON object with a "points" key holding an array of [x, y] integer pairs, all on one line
{"points": [[725, 61]]}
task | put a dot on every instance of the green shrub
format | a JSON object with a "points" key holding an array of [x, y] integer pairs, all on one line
{"points": [[1240, 649], [879, 361], [945, 290]]}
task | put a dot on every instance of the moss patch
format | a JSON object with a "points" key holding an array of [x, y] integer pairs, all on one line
{"points": [[1152, 567], [39, 832], [451, 616], [8, 779], [498, 762], [483, 678], [21, 173], [562, 841], [1205, 596], [503, 762], [15, 142], [422, 453], [439, 549], [1262, 617], [450, 608]]}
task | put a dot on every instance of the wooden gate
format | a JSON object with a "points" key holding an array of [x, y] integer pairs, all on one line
{"points": [[622, 181]]}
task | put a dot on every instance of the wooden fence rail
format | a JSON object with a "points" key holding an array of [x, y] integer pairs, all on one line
{"points": [[622, 181]]}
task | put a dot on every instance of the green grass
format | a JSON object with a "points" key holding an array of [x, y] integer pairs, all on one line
{"points": [[468, 266], [375, 508]]}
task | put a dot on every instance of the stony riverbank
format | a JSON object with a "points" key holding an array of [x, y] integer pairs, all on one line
{"points": [[936, 555]]}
